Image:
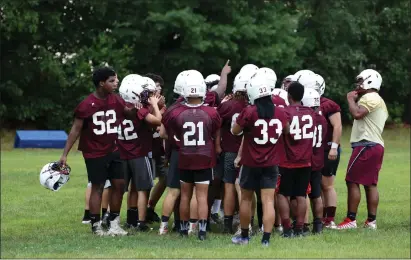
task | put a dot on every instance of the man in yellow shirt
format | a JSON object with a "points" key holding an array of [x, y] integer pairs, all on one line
{"points": [[370, 114]]}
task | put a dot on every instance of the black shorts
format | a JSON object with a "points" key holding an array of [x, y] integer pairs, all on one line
{"points": [[173, 175], [157, 166], [294, 181], [331, 166], [196, 176], [103, 168], [315, 182], [138, 170], [218, 170], [253, 178], [230, 172]]}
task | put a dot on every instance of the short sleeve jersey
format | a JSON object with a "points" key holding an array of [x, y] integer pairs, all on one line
{"points": [[100, 121], [298, 143], [328, 108], [320, 133], [278, 101], [135, 136], [229, 111], [196, 128], [260, 147], [370, 127], [212, 99]]}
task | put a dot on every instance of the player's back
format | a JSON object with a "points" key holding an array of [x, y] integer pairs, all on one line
{"points": [[299, 141], [319, 141], [278, 101], [328, 108], [261, 137], [195, 127], [212, 99], [229, 111]]}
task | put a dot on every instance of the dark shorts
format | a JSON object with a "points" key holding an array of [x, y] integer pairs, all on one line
{"points": [[331, 166], [157, 164], [253, 178], [230, 173], [139, 171], [104, 168], [173, 175], [196, 176], [218, 170], [315, 182], [365, 164], [294, 181]]}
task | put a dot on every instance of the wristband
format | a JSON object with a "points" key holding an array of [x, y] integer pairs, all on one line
{"points": [[334, 145]]}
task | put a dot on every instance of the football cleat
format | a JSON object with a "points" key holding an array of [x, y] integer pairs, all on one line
{"points": [[279, 229], [192, 228], [330, 224], [347, 224], [215, 219], [105, 222], [97, 229], [86, 220], [370, 224], [163, 228], [239, 240], [152, 216], [115, 229], [202, 235]]}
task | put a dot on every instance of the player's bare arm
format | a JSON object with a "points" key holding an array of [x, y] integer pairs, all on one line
{"points": [[155, 118], [335, 120], [71, 139], [163, 132], [222, 84], [358, 112], [217, 142], [238, 158], [237, 129]]}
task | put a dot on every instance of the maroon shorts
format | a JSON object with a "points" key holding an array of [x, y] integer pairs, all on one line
{"points": [[365, 164]]}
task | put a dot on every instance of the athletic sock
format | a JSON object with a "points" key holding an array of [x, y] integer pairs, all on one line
{"points": [[114, 214], [266, 237], [228, 221], [351, 215], [202, 225], [244, 232], [103, 211], [94, 218], [371, 217], [164, 218]]}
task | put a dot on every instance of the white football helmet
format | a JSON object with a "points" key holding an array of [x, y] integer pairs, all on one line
{"points": [[311, 98], [212, 81], [149, 84], [242, 79], [270, 76], [300, 73], [194, 84], [53, 176], [179, 83], [286, 81], [249, 67], [282, 94], [321, 84], [128, 87], [369, 79], [258, 87], [308, 80]]}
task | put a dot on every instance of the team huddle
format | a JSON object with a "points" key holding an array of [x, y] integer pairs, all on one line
{"points": [[273, 151]]}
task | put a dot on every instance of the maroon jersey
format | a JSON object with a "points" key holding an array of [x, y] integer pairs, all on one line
{"points": [[212, 99], [260, 147], [100, 121], [278, 101], [195, 127], [298, 143], [229, 111], [328, 108], [172, 143], [134, 136], [317, 162]]}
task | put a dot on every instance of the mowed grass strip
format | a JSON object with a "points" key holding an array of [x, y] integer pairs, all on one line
{"points": [[38, 223]]}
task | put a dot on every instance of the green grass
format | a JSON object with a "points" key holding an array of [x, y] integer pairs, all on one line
{"points": [[37, 223]]}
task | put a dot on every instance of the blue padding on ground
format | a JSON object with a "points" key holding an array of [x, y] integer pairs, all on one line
{"points": [[40, 139]]}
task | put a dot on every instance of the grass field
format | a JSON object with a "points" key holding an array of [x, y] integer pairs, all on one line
{"points": [[37, 223]]}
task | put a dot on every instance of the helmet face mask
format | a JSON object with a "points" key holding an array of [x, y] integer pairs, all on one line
{"points": [[54, 175], [368, 79]]}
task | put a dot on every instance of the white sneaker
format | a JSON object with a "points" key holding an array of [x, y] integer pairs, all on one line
{"points": [[192, 228], [370, 224], [115, 229], [279, 229], [98, 230], [347, 224], [163, 228], [330, 225]]}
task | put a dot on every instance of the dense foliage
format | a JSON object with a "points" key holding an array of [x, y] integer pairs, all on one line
{"points": [[49, 47]]}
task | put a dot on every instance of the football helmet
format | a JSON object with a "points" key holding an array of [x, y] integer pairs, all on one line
{"points": [[286, 82], [308, 80], [248, 67], [54, 175], [212, 81], [282, 94], [270, 76], [242, 79], [258, 87], [149, 84], [300, 73], [311, 98], [128, 88], [179, 83], [195, 85], [369, 79], [321, 84]]}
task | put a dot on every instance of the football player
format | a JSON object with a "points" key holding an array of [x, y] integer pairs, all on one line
{"points": [[262, 124], [312, 99], [104, 202], [287, 81], [135, 142], [370, 114], [197, 126], [96, 121], [296, 162], [230, 144]]}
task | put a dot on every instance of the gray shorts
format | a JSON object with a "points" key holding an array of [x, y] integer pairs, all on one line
{"points": [[230, 172], [139, 171]]}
